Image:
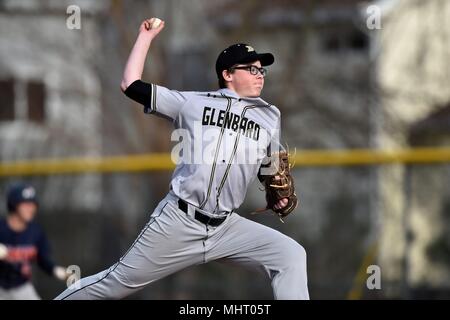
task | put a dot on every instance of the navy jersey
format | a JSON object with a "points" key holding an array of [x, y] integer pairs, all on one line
{"points": [[23, 249]]}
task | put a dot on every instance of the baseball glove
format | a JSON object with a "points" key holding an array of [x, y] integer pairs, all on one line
{"points": [[279, 184]]}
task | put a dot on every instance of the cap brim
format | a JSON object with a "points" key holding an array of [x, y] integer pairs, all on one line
{"points": [[266, 59]]}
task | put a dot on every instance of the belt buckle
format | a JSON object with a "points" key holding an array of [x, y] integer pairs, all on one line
{"points": [[208, 218]]}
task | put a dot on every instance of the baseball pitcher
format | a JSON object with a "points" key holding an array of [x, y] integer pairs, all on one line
{"points": [[229, 138]]}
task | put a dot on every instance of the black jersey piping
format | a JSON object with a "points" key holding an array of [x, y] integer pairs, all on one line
{"points": [[236, 142], [213, 169]]}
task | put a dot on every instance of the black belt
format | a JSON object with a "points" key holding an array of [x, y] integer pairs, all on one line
{"points": [[203, 218]]}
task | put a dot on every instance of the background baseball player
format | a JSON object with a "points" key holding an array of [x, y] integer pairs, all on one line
{"points": [[197, 221], [22, 241]]}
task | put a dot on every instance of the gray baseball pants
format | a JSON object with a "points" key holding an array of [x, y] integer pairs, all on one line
{"points": [[173, 240]]}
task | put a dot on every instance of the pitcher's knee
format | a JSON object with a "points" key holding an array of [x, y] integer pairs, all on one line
{"points": [[294, 256]]}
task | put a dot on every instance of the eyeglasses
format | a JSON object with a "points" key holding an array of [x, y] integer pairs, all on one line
{"points": [[253, 70]]}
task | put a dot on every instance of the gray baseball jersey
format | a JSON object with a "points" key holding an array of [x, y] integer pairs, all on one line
{"points": [[222, 140]]}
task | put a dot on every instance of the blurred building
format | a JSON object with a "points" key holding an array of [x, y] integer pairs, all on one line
{"points": [[413, 80], [338, 85], [50, 94]]}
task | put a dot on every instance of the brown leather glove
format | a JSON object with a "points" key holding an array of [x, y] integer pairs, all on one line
{"points": [[279, 184]]}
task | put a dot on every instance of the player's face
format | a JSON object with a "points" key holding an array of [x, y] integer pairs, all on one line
{"points": [[26, 211], [245, 83]]}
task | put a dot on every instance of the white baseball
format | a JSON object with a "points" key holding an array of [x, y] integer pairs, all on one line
{"points": [[3, 251], [155, 22]]}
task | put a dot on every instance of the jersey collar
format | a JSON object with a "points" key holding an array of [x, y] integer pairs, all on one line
{"points": [[232, 94]]}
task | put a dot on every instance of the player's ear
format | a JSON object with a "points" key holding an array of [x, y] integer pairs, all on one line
{"points": [[226, 74]]}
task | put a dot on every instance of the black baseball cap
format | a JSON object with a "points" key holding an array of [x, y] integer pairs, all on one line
{"points": [[240, 53]]}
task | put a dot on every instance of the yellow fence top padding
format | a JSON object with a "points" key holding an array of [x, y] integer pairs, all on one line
{"points": [[163, 162]]}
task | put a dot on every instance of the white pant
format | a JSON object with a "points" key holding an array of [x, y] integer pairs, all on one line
{"points": [[24, 292], [173, 240]]}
